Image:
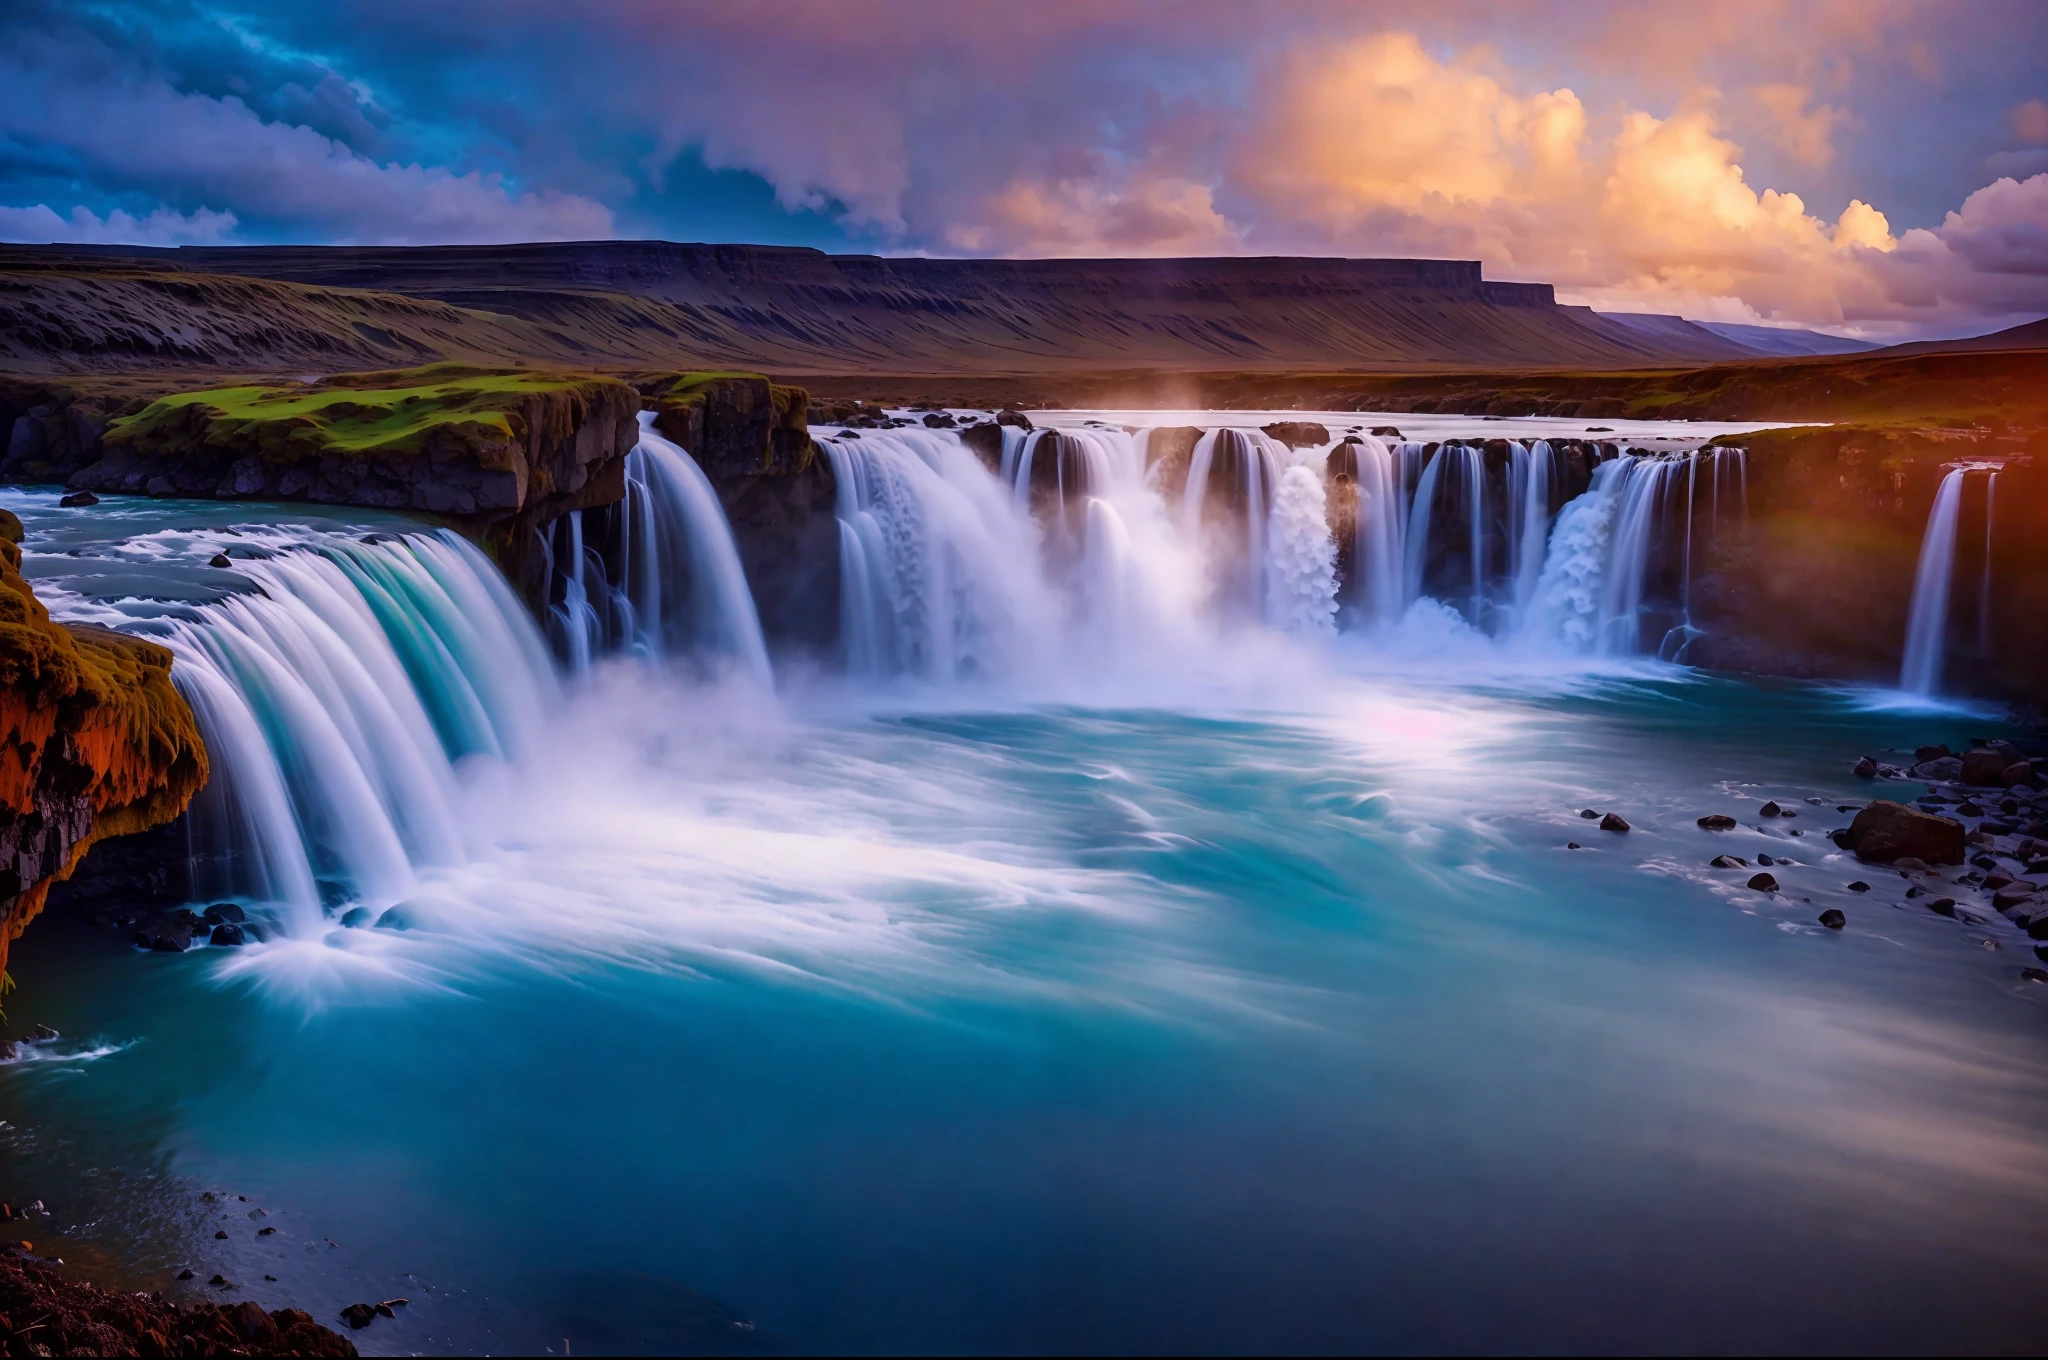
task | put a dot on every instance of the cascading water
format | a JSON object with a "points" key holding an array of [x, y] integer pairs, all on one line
{"points": [[939, 570], [1984, 582], [1379, 553], [1927, 624], [675, 586], [1531, 472], [335, 701]]}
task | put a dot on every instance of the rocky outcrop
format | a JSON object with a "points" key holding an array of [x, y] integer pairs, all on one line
{"points": [[94, 742], [752, 439], [467, 444], [43, 1313], [1819, 581]]}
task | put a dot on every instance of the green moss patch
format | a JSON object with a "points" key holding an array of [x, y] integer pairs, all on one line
{"points": [[387, 415]]}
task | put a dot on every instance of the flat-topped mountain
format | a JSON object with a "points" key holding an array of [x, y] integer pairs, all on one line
{"points": [[791, 310]]}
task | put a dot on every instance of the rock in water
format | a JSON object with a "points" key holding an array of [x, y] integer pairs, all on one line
{"points": [[1984, 767], [2018, 773], [1770, 809], [1866, 768], [359, 1315], [1887, 832], [1613, 823], [1764, 883], [1943, 770], [1859, 886], [1943, 906], [1833, 919], [1717, 821], [1589, 814], [79, 498], [1728, 862]]}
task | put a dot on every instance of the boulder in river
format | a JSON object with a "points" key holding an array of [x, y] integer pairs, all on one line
{"points": [[1612, 822], [2018, 773], [1764, 883], [1717, 821], [1888, 832], [1941, 770], [1866, 768], [1984, 767], [1833, 919], [1728, 862], [1770, 809]]}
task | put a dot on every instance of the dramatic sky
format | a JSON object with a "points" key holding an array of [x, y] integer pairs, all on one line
{"points": [[1872, 166]]}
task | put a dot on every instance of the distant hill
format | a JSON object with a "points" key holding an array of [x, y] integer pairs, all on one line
{"points": [[1786, 341], [794, 311], [2032, 335]]}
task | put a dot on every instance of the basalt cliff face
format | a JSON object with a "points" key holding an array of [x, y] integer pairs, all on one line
{"points": [[1820, 580], [752, 439], [94, 742]]}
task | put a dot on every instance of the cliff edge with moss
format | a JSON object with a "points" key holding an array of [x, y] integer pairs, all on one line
{"points": [[94, 742]]}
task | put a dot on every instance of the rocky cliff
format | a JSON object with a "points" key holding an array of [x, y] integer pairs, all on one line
{"points": [[1820, 581], [94, 742], [752, 438]]}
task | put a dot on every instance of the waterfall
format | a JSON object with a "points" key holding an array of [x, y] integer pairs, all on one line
{"points": [[940, 572], [335, 701], [1380, 533], [1927, 625], [673, 585], [1531, 471], [1590, 596], [1302, 565], [1984, 583], [1234, 532], [1416, 546]]}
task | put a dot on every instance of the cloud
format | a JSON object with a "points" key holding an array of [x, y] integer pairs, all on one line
{"points": [[2030, 121], [1806, 134], [41, 224], [139, 134]]}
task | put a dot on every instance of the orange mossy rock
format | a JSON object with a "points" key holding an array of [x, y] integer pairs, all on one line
{"points": [[94, 742]]}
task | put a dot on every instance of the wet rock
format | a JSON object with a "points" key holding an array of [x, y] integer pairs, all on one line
{"points": [[2017, 773], [939, 420], [355, 918], [1298, 434], [2033, 975], [1717, 821], [1859, 886], [1764, 883], [184, 1274], [1921, 753], [1011, 416], [222, 1235], [228, 935], [266, 1232], [1728, 862], [218, 560], [221, 1281], [165, 936], [251, 1321], [1866, 768], [1943, 906], [1946, 770], [39, 1034], [1612, 822], [1833, 919], [79, 498], [1770, 809], [1914, 892], [9, 1050], [359, 1315], [1891, 833], [1969, 809], [1573, 845], [224, 913], [1984, 767], [395, 918], [1589, 814], [2014, 897]]}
